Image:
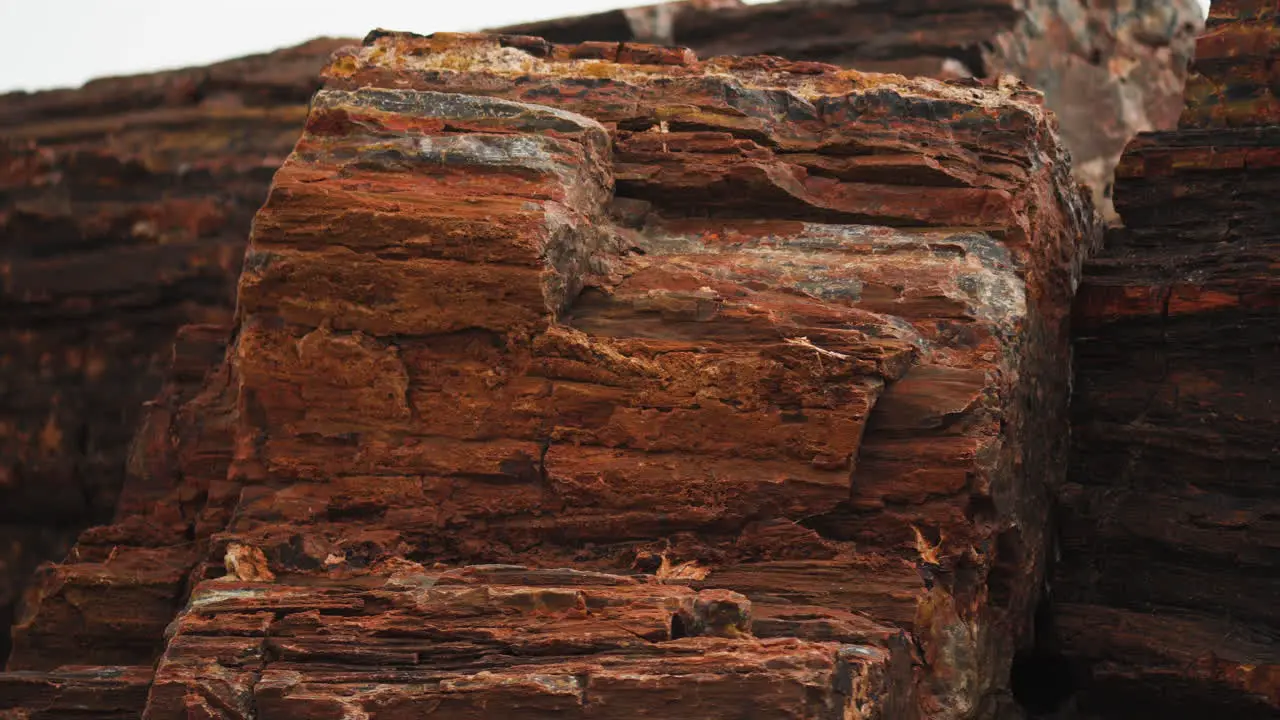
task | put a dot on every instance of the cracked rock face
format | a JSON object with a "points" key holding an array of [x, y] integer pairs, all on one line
{"points": [[1172, 517], [1109, 69], [124, 205], [566, 378]]}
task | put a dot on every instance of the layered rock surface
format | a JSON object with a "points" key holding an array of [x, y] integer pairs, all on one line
{"points": [[123, 205], [567, 377], [1109, 70], [124, 208], [1171, 524]]}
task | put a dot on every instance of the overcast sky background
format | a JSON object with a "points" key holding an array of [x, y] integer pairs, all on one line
{"points": [[63, 43]]}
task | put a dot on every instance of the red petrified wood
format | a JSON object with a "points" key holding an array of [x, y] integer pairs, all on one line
{"points": [[1171, 562], [1108, 70], [124, 208], [598, 381], [125, 204]]}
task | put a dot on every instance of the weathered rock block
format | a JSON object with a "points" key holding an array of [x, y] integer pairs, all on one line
{"points": [[103, 693], [1109, 70], [498, 641], [568, 378], [1171, 527], [123, 205], [93, 626]]}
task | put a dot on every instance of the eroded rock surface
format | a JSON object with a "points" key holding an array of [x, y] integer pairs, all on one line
{"points": [[124, 208], [565, 375], [1171, 524], [1108, 69], [124, 205]]}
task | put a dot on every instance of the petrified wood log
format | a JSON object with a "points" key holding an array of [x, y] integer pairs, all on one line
{"points": [[566, 379], [124, 208], [91, 692], [1171, 527], [1109, 70], [123, 205]]}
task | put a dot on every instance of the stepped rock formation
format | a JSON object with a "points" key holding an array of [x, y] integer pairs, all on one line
{"points": [[566, 379], [124, 208], [124, 205], [1108, 69], [1171, 524]]}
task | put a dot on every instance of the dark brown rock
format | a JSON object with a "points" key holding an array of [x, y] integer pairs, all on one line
{"points": [[102, 693], [1171, 524], [104, 609], [124, 208]]}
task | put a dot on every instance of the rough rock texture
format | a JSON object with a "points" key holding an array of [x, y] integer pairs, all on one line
{"points": [[124, 205], [568, 378], [1108, 68], [104, 610], [101, 693], [1171, 524], [124, 210]]}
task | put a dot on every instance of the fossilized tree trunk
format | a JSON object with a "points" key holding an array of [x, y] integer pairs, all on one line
{"points": [[124, 205], [1171, 524], [567, 379]]}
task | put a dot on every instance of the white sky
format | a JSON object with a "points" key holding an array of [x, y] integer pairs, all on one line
{"points": [[63, 43]]}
